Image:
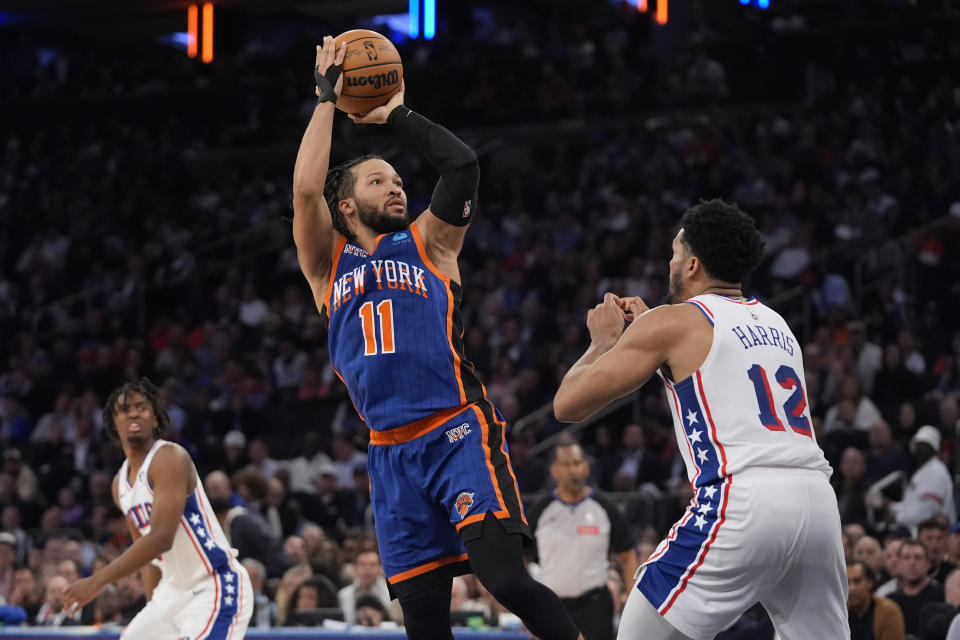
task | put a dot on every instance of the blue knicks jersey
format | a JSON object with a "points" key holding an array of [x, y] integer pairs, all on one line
{"points": [[395, 332]]}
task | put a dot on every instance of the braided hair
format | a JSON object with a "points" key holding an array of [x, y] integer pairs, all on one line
{"points": [[149, 391], [340, 184]]}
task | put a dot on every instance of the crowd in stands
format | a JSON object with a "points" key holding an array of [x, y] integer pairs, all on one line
{"points": [[139, 213]]}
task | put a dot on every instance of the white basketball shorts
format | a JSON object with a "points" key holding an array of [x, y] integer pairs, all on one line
{"points": [[216, 608], [764, 535]]}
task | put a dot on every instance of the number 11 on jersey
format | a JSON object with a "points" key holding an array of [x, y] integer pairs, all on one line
{"points": [[385, 314]]}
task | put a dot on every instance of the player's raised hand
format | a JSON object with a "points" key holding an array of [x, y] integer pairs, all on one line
{"points": [[327, 69], [380, 114], [633, 307], [605, 322]]}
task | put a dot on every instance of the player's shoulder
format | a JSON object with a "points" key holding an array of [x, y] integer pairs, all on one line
{"points": [[671, 319], [171, 454], [115, 484]]}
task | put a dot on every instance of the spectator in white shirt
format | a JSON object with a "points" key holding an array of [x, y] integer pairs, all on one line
{"points": [[869, 355], [930, 491], [866, 414], [52, 613], [368, 580], [259, 455], [288, 367], [57, 425], [913, 360], [305, 467], [346, 460], [253, 310]]}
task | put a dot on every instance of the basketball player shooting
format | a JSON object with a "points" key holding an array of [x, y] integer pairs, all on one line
{"points": [[763, 523], [195, 587], [444, 496]]}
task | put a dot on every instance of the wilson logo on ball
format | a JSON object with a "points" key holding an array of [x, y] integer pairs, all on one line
{"points": [[375, 80]]}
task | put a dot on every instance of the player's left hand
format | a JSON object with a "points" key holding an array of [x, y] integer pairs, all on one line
{"points": [[380, 114], [633, 307], [79, 593], [605, 321]]}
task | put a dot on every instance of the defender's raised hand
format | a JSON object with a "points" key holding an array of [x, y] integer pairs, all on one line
{"points": [[605, 321], [633, 307]]}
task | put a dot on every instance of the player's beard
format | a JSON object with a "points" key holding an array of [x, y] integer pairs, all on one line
{"points": [[675, 288], [379, 220]]}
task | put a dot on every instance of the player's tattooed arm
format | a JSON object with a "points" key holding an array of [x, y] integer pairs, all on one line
{"points": [[313, 231], [170, 476]]}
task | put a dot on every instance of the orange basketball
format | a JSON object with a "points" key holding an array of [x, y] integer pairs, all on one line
{"points": [[372, 71]]}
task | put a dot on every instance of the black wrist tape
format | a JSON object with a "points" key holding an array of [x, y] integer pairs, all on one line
{"points": [[326, 82]]}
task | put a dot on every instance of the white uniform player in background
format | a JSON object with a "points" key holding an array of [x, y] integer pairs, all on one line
{"points": [[763, 524], [196, 589]]}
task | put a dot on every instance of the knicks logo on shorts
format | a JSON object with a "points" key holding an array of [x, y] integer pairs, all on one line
{"points": [[464, 502], [458, 433]]}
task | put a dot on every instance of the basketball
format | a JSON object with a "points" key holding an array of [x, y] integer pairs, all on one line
{"points": [[372, 71]]}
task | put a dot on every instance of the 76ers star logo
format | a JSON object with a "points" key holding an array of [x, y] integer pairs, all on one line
{"points": [[464, 502]]}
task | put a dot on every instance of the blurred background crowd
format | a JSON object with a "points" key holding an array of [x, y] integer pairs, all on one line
{"points": [[143, 200]]}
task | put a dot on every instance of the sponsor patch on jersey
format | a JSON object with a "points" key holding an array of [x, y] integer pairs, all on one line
{"points": [[354, 250], [584, 530], [458, 433], [464, 502], [466, 208], [401, 235]]}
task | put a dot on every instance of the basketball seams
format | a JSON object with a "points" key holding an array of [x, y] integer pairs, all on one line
{"points": [[378, 36], [377, 95], [370, 66]]}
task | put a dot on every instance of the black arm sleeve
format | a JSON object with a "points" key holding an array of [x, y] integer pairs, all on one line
{"points": [[455, 197]]}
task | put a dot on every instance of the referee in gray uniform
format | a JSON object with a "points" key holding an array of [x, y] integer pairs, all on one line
{"points": [[575, 529]]}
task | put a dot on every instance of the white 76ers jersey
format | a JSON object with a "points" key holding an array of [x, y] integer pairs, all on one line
{"points": [[199, 549], [746, 406]]}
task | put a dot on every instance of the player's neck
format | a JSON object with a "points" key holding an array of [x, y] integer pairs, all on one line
{"points": [[365, 238], [137, 454], [722, 289]]}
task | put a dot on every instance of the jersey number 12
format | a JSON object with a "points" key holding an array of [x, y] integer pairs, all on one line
{"points": [[793, 408], [385, 314]]}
